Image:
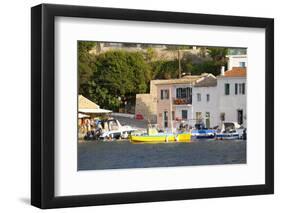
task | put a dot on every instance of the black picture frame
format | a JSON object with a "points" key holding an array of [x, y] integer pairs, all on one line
{"points": [[43, 105]]}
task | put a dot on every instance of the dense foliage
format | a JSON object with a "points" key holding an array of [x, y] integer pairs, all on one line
{"points": [[86, 67], [119, 77]]}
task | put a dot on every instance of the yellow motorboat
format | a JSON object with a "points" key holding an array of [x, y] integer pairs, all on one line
{"points": [[161, 138]]}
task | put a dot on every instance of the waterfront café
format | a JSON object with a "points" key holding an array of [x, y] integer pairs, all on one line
{"points": [[87, 112]]}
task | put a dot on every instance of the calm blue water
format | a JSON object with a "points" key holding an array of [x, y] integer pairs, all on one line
{"points": [[96, 155]]}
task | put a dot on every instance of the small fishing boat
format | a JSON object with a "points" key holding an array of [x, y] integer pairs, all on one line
{"points": [[203, 133], [154, 135], [161, 138], [230, 131], [112, 129], [227, 136]]}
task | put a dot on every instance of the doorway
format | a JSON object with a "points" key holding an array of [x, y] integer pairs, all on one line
{"points": [[208, 120], [240, 116]]}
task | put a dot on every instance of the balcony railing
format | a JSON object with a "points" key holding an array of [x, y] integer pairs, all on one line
{"points": [[182, 101]]}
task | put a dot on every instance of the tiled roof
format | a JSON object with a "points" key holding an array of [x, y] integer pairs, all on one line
{"points": [[206, 81], [185, 80], [236, 72]]}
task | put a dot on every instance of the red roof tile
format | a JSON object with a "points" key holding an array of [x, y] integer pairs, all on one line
{"points": [[236, 72]]}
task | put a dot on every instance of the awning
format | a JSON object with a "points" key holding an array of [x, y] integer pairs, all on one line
{"points": [[80, 115], [95, 111]]}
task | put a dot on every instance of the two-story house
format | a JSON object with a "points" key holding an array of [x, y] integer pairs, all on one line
{"points": [[175, 100], [231, 87], [205, 101]]}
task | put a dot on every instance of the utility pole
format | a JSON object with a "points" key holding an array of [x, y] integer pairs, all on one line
{"points": [[179, 63]]}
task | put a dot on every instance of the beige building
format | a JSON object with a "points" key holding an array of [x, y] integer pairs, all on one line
{"points": [[174, 100], [146, 104], [158, 104]]}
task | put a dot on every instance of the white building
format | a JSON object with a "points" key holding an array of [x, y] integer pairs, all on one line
{"points": [[222, 98], [231, 87], [236, 61], [205, 101]]}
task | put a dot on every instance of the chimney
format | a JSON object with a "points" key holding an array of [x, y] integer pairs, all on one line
{"points": [[222, 70]]}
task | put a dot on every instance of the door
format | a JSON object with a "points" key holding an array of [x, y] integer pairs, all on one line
{"points": [[240, 116], [208, 120], [199, 117], [165, 119]]}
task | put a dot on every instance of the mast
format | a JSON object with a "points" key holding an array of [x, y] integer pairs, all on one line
{"points": [[190, 90], [171, 109]]}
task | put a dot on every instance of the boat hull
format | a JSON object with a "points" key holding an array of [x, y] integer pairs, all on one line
{"points": [[227, 136], [203, 134], [183, 137]]}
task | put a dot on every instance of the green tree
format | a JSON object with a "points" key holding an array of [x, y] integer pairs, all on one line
{"points": [[206, 67], [218, 54], [163, 69], [150, 54], [120, 75], [86, 67]]}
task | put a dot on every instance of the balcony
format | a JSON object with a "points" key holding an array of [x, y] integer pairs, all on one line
{"points": [[182, 101]]}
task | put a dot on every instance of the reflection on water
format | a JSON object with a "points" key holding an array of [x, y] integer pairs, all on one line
{"points": [[94, 155]]}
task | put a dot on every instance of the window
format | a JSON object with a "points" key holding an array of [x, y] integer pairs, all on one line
{"points": [[198, 97], [208, 97], [164, 94], [173, 115], [184, 114], [236, 89], [226, 89], [222, 116], [242, 64], [240, 88], [198, 116], [184, 93], [178, 91], [243, 88]]}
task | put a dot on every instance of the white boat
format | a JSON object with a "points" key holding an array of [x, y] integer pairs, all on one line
{"points": [[112, 129], [200, 132], [230, 131]]}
